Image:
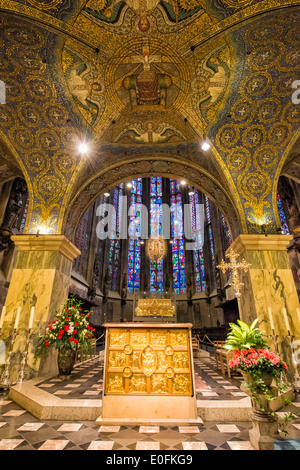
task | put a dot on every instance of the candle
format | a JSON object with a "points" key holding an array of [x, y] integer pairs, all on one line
{"points": [[286, 320], [2, 317], [298, 313], [17, 317], [271, 318], [31, 318]]}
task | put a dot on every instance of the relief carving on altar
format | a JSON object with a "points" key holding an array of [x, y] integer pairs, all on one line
{"points": [[151, 361], [155, 307]]}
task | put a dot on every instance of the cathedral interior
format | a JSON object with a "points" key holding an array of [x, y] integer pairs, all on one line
{"points": [[145, 103]]}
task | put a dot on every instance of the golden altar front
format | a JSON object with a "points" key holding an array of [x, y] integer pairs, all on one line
{"points": [[148, 374]]}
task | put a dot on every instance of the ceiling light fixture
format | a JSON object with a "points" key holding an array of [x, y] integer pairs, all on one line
{"points": [[83, 148], [205, 144]]}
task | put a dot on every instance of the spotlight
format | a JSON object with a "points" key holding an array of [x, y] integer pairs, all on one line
{"points": [[183, 183], [83, 148], [191, 193], [128, 185], [205, 146], [106, 194]]}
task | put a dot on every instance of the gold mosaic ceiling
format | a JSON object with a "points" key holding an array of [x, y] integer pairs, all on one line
{"points": [[143, 81]]}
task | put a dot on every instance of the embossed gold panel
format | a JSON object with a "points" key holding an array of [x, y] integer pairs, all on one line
{"points": [[148, 361], [155, 307]]}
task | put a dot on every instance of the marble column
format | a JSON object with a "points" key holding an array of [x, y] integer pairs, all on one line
{"points": [[40, 278], [269, 283]]}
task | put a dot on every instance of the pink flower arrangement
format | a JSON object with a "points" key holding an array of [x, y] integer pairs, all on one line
{"points": [[257, 359]]}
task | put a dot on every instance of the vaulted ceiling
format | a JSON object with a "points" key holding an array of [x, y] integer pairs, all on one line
{"points": [[143, 82]]}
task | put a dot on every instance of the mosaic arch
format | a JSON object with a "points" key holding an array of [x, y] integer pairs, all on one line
{"points": [[147, 167]]}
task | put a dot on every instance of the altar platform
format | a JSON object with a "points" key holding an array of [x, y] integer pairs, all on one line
{"points": [[217, 397]]}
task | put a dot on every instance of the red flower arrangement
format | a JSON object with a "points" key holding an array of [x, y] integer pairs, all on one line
{"points": [[70, 329]]}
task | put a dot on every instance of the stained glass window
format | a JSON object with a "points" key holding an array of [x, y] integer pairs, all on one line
{"points": [[134, 244], [282, 217], [156, 267], [226, 233], [210, 237], [198, 256], [115, 244], [81, 243], [178, 253], [23, 220]]}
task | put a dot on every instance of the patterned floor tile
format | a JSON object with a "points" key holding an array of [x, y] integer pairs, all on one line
{"points": [[101, 445], [14, 413], [109, 429], [10, 444], [240, 445], [145, 445], [30, 427], [189, 429], [149, 429], [228, 428], [54, 445], [194, 446], [69, 427]]}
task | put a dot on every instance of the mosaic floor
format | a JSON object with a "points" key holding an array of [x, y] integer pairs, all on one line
{"points": [[19, 430]]}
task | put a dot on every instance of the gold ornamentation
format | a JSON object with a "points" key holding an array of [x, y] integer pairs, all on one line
{"points": [[148, 361], [151, 369], [156, 248], [237, 3], [169, 351], [44, 4], [234, 266], [128, 349], [127, 372], [116, 359], [170, 373], [179, 338], [155, 307]]}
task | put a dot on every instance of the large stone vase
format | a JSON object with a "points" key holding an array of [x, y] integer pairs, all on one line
{"points": [[265, 424], [65, 361]]}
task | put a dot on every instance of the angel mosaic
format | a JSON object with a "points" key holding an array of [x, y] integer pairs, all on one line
{"points": [[148, 134]]}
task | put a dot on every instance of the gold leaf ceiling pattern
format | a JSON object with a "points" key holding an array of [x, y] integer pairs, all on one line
{"points": [[149, 76]]}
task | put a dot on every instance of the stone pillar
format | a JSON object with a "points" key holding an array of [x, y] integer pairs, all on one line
{"points": [[40, 277], [269, 283]]}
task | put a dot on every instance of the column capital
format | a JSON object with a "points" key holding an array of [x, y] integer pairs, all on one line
{"points": [[46, 243], [260, 242]]}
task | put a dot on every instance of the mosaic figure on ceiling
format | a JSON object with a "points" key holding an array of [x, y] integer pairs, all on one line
{"points": [[149, 135], [147, 87], [173, 11]]}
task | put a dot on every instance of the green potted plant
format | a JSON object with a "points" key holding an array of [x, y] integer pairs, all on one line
{"points": [[251, 356], [67, 333], [259, 367]]}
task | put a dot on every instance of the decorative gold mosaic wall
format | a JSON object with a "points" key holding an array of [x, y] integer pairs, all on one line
{"points": [[148, 361]]}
